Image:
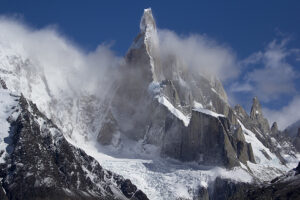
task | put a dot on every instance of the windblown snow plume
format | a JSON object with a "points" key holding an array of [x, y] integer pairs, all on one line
{"points": [[64, 63]]}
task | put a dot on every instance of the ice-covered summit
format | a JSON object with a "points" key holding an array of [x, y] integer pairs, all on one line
{"points": [[147, 21], [147, 44]]}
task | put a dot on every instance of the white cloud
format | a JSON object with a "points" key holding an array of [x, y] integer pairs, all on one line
{"points": [[238, 87], [200, 53], [286, 115]]}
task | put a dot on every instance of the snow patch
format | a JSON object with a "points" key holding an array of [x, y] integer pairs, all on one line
{"points": [[208, 112], [204, 184], [197, 105], [8, 108]]}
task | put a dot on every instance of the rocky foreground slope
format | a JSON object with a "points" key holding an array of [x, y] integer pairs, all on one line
{"points": [[37, 162]]}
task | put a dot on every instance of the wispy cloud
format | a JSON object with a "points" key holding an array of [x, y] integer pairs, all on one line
{"points": [[269, 74]]}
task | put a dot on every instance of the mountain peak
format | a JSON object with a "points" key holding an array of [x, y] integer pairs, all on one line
{"points": [[255, 109], [257, 115], [274, 128], [147, 21]]}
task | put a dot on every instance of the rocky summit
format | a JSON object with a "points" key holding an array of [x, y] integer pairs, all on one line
{"points": [[165, 104], [182, 112], [161, 130]]}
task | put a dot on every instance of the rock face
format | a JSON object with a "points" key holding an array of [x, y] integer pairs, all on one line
{"points": [[298, 169], [293, 131], [296, 141], [274, 128], [208, 140], [108, 130], [40, 164], [257, 116]]}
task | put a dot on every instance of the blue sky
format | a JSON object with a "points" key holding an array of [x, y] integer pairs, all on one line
{"points": [[264, 37]]}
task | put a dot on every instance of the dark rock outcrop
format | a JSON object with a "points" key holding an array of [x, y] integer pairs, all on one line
{"points": [[257, 116], [293, 132], [3, 84], [297, 169], [296, 141], [274, 129], [284, 187], [203, 193], [108, 130]]}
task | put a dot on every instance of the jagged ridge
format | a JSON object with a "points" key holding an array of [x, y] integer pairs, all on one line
{"points": [[40, 164]]}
